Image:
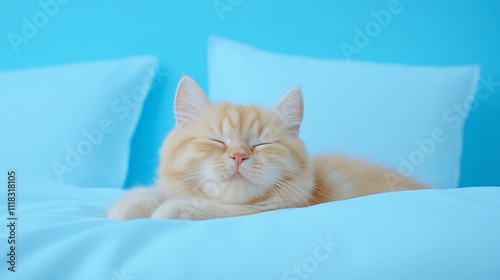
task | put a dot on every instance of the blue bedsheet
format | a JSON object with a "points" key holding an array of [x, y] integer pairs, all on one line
{"points": [[427, 234]]}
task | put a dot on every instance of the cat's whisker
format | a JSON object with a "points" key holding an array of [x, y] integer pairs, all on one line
{"points": [[285, 174], [275, 191], [317, 190], [280, 196], [182, 182], [283, 185], [287, 186]]}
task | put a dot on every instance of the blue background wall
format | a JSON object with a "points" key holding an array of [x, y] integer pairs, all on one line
{"points": [[424, 32]]}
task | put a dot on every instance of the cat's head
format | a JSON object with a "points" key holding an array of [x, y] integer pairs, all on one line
{"points": [[236, 154]]}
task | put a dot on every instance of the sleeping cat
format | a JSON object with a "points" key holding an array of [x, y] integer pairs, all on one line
{"points": [[224, 160]]}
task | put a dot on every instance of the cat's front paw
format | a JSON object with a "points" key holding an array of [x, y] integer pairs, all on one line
{"points": [[138, 203], [125, 210], [178, 209]]}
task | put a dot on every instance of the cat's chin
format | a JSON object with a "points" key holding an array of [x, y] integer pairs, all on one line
{"points": [[238, 177], [238, 189], [238, 181]]}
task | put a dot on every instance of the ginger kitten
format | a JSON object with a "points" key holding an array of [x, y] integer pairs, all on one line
{"points": [[224, 160]]}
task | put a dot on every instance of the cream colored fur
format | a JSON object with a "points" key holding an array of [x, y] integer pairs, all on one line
{"points": [[226, 160]]}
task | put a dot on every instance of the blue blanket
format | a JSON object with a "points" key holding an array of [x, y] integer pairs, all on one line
{"points": [[61, 233]]}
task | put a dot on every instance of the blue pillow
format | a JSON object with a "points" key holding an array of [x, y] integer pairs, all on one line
{"points": [[73, 123], [406, 118]]}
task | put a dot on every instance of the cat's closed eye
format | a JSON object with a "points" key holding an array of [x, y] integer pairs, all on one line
{"points": [[261, 144], [217, 141]]}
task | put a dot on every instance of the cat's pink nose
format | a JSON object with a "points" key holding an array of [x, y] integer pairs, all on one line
{"points": [[238, 158]]}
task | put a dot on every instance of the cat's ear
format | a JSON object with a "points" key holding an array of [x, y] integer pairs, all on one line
{"points": [[290, 109], [190, 102]]}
